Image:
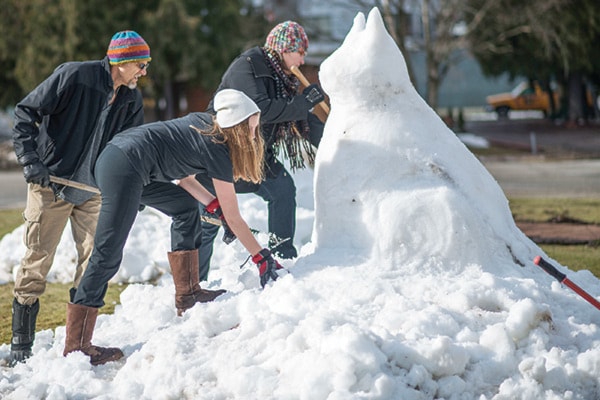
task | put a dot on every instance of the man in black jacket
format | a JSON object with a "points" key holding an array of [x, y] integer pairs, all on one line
{"points": [[60, 129], [287, 125]]}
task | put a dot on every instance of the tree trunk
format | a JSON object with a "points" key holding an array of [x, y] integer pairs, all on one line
{"points": [[431, 65], [171, 94], [433, 86], [397, 31], [550, 93], [576, 98]]}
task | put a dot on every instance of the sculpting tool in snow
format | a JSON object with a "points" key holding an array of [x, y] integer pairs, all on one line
{"points": [[217, 221], [273, 242], [562, 278]]}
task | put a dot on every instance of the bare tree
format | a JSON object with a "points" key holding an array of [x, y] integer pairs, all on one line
{"points": [[395, 19], [446, 28], [449, 29], [442, 35]]}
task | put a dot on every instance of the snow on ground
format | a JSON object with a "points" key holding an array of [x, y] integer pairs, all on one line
{"points": [[413, 281]]}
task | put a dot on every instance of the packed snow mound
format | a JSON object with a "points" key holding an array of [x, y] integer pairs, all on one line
{"points": [[380, 127]]}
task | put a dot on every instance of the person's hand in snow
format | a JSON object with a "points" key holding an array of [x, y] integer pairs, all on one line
{"points": [[267, 266]]}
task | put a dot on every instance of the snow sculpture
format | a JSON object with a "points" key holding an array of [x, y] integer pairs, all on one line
{"points": [[390, 176]]}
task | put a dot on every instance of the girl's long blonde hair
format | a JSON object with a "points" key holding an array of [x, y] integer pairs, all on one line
{"points": [[246, 153]]}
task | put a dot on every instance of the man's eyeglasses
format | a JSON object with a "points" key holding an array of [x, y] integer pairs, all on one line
{"points": [[143, 66]]}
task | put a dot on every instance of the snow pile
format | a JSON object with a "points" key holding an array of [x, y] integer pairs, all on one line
{"points": [[416, 283]]}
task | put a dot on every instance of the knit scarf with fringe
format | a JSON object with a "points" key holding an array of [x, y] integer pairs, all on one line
{"points": [[290, 136]]}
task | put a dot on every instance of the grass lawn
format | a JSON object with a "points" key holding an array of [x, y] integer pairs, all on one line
{"points": [[53, 306], [53, 302], [9, 220], [545, 210], [575, 257]]}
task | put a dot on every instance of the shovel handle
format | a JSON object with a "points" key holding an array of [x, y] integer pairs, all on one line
{"points": [[562, 278], [76, 185], [549, 268], [296, 71]]}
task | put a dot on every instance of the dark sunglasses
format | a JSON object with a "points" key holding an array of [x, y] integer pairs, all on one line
{"points": [[143, 66]]}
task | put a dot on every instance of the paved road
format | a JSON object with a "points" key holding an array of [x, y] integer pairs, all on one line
{"points": [[13, 190], [551, 140], [524, 177], [578, 175], [539, 178]]}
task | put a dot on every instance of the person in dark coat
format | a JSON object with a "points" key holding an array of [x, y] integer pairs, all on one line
{"points": [[60, 128], [155, 165], [288, 127]]}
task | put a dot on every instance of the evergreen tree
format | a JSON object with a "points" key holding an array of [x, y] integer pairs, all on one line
{"points": [[191, 41], [543, 40]]}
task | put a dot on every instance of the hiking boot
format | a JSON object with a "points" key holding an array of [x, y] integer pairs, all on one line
{"points": [[23, 331]]}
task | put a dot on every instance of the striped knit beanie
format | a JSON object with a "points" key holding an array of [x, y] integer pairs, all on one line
{"points": [[287, 37], [127, 46]]}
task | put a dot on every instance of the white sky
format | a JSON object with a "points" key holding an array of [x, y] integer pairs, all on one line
{"points": [[408, 285]]}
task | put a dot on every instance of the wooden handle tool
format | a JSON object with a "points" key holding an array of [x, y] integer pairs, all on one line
{"points": [[76, 185], [296, 71]]}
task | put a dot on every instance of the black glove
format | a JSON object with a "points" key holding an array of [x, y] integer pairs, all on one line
{"points": [[215, 209], [267, 266], [313, 94], [36, 172]]}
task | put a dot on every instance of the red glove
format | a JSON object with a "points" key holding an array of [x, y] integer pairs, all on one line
{"points": [[267, 266], [214, 208]]}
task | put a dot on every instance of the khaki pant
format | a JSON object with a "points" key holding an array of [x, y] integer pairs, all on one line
{"points": [[45, 220]]}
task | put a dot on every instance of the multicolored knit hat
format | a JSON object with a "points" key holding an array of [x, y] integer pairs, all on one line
{"points": [[127, 46], [287, 37]]}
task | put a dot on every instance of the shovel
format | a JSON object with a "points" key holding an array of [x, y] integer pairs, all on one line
{"points": [[562, 278]]}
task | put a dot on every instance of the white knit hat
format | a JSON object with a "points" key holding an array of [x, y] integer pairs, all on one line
{"points": [[233, 107]]}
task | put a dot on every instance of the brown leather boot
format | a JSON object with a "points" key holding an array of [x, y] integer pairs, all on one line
{"points": [[80, 328], [184, 266]]}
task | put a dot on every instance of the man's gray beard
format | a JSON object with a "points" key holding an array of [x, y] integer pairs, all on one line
{"points": [[132, 85]]}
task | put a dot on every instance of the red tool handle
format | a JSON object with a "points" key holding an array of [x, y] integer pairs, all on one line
{"points": [[562, 278]]}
